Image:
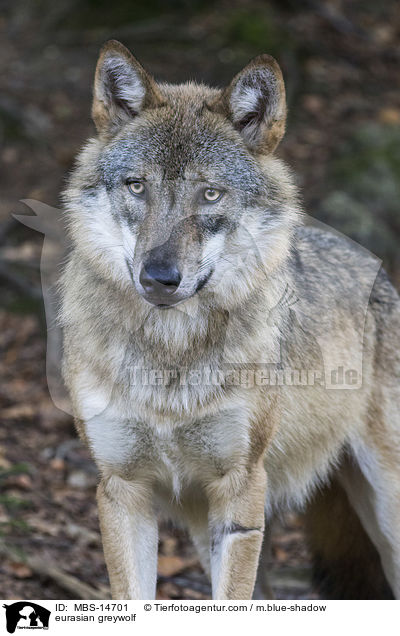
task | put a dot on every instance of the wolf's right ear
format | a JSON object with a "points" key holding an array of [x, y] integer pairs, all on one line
{"points": [[122, 89]]}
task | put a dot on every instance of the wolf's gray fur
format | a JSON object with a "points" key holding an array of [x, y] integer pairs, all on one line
{"points": [[256, 292]]}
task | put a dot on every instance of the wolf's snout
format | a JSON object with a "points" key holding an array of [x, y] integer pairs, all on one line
{"points": [[159, 278]]}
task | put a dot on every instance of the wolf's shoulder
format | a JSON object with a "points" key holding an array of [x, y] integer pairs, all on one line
{"points": [[313, 242], [330, 266], [327, 252]]}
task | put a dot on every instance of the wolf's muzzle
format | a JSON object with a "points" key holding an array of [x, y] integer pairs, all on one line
{"points": [[159, 282]]}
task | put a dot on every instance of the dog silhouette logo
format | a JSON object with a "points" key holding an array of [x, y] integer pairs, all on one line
{"points": [[26, 615]]}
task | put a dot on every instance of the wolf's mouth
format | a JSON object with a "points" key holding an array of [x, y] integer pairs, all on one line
{"points": [[173, 302]]}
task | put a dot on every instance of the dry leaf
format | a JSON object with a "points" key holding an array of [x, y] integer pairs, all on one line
{"points": [[389, 116], [57, 463], [18, 411], [170, 565], [20, 570], [280, 554], [169, 546]]}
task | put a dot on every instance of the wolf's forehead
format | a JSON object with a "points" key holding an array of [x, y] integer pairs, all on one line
{"points": [[177, 148]]}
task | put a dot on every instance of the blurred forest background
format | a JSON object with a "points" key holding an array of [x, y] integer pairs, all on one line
{"points": [[340, 60]]}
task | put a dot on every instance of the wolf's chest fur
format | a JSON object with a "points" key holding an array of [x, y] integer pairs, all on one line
{"points": [[182, 436], [158, 410], [173, 453]]}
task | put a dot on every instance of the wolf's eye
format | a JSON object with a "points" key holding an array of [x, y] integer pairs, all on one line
{"points": [[135, 187], [212, 195]]}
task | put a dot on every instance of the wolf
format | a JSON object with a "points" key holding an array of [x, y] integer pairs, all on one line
{"points": [[193, 290]]}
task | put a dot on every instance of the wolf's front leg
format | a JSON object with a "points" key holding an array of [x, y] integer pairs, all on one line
{"points": [[130, 536], [236, 520]]}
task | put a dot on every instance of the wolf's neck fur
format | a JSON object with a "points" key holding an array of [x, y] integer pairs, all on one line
{"points": [[199, 331]]}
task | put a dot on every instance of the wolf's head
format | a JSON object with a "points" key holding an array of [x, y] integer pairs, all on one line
{"points": [[180, 195]]}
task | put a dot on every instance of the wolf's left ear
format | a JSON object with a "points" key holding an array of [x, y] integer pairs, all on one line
{"points": [[255, 103], [122, 88]]}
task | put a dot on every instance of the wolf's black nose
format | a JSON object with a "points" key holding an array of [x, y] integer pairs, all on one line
{"points": [[160, 278]]}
